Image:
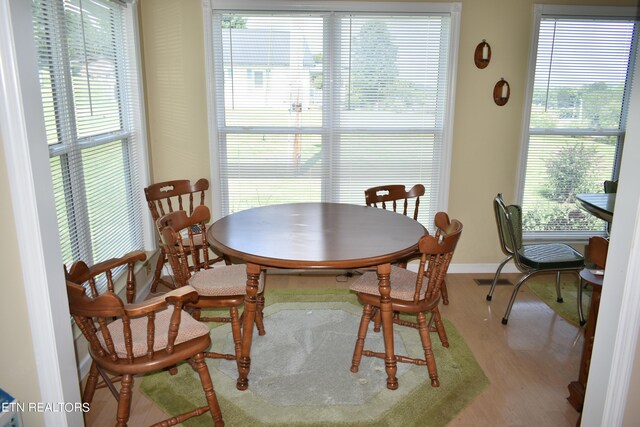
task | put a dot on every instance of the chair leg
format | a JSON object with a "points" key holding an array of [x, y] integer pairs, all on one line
{"points": [[259, 315], [495, 278], [516, 288], [362, 335], [124, 402], [428, 351], [377, 319], [579, 299], [209, 392], [92, 382], [558, 290], [236, 331], [444, 293], [444, 340]]}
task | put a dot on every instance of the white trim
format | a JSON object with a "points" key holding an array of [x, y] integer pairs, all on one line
{"points": [[334, 6], [626, 337], [481, 268], [27, 161], [84, 365], [447, 138], [615, 346], [464, 268], [577, 10], [214, 159], [142, 152]]}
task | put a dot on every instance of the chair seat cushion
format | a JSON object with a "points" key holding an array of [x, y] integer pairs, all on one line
{"points": [[226, 280], [402, 281], [550, 256], [189, 329], [197, 241]]}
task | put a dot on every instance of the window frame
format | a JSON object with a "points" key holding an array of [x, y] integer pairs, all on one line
{"points": [[567, 11], [132, 133], [452, 9]]}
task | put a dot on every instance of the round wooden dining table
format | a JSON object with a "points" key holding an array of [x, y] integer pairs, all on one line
{"points": [[316, 236]]}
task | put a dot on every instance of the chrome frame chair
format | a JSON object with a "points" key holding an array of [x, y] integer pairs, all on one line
{"points": [[529, 259]]}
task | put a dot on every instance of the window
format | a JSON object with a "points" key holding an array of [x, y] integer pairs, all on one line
{"points": [[88, 78], [577, 110], [344, 100]]}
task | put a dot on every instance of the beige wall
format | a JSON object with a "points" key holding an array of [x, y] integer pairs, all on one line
{"points": [[17, 362], [486, 138]]}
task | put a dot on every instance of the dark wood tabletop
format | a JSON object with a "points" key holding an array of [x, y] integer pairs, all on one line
{"points": [[600, 205], [316, 235], [312, 236]]}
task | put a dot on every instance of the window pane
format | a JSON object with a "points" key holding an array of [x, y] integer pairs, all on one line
{"points": [[369, 160], [576, 119], [391, 71], [272, 70], [558, 168], [269, 169], [581, 72], [93, 59]]}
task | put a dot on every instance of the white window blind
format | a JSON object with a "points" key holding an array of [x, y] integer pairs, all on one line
{"points": [[88, 78], [576, 119], [319, 106]]}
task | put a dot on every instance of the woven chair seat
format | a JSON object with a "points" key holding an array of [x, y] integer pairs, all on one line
{"points": [[226, 280], [403, 284], [189, 329]]}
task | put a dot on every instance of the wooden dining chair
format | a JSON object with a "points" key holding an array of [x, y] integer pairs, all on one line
{"points": [[184, 238], [398, 199], [390, 196], [413, 293], [169, 196], [133, 339], [529, 259], [98, 279]]}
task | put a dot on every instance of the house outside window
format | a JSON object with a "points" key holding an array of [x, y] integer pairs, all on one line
{"points": [[341, 100], [577, 101]]}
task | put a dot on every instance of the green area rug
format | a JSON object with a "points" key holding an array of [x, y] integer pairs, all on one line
{"points": [[545, 288], [304, 378]]}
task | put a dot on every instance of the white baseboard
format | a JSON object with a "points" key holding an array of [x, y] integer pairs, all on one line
{"points": [[413, 266], [84, 366], [481, 268], [472, 268]]}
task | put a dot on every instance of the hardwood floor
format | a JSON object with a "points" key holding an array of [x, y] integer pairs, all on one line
{"points": [[529, 362]]}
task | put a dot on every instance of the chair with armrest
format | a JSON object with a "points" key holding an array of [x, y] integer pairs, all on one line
{"points": [[414, 293], [98, 279], [529, 259], [134, 339], [597, 257], [217, 287], [169, 196], [104, 272]]}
